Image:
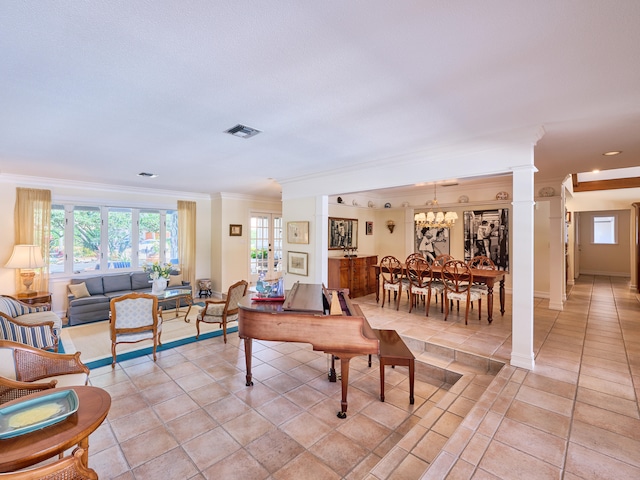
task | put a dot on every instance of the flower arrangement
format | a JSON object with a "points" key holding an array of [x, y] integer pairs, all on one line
{"points": [[158, 270]]}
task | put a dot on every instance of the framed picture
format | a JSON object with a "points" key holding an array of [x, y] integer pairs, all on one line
{"points": [[486, 232], [431, 241], [298, 263], [343, 233], [235, 230], [298, 232], [369, 228]]}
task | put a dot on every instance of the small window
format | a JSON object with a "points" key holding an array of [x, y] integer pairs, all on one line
{"points": [[604, 230]]}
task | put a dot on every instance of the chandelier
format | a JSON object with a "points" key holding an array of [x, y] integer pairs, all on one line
{"points": [[439, 219]]}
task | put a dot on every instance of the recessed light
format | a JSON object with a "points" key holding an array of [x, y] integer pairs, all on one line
{"points": [[612, 153], [595, 170], [147, 175]]}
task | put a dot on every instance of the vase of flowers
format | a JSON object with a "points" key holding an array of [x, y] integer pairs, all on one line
{"points": [[159, 275]]}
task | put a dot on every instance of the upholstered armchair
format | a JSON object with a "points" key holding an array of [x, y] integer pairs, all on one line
{"points": [[222, 311], [135, 317], [25, 369], [32, 325]]}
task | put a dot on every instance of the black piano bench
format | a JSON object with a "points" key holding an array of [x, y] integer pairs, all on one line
{"points": [[393, 351]]}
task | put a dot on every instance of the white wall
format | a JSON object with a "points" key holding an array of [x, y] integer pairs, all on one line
{"points": [[597, 259], [230, 255]]}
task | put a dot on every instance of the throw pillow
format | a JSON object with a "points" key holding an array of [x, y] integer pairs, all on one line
{"points": [[175, 280], [79, 290]]}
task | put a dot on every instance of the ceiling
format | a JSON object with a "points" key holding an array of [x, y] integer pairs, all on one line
{"points": [[101, 91]]}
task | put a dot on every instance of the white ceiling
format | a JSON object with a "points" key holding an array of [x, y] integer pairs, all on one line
{"points": [[100, 91]]}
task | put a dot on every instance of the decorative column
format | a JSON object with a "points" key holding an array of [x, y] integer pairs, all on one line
{"points": [[522, 267]]}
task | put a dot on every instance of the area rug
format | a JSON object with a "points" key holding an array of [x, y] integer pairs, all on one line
{"points": [[94, 342]]}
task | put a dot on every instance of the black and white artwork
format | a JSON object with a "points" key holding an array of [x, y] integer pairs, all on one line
{"points": [[343, 233], [486, 232], [431, 241]]}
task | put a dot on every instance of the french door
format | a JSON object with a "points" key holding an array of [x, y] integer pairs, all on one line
{"points": [[266, 246]]}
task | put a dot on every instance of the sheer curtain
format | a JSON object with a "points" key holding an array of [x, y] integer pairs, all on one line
{"points": [[187, 240], [32, 219]]}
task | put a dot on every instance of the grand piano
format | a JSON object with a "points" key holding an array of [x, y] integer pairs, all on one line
{"points": [[305, 317]]}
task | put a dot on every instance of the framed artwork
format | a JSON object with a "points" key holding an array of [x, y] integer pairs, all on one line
{"points": [[235, 230], [431, 241], [298, 232], [486, 232], [343, 233], [369, 228], [297, 263]]}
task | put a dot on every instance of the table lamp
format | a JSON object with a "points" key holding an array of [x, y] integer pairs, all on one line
{"points": [[26, 258]]}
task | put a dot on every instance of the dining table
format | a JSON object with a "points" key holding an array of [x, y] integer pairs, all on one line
{"points": [[30, 448], [481, 276]]}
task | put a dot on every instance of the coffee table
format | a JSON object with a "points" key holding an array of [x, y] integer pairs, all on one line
{"points": [[176, 295], [31, 448]]}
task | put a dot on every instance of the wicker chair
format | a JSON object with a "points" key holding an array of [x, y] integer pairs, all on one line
{"points": [[135, 317], [67, 468], [25, 369], [222, 311]]}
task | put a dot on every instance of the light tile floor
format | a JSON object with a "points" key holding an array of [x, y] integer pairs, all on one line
{"points": [[189, 415]]}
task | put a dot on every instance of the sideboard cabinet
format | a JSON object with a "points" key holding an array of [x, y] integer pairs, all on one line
{"points": [[355, 273]]}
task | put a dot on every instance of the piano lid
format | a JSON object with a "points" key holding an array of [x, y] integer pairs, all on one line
{"points": [[305, 297]]}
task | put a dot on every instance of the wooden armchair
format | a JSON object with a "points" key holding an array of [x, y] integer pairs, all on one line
{"points": [[67, 468], [25, 369], [135, 317], [223, 311], [39, 335]]}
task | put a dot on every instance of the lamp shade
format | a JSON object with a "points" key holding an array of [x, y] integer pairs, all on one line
{"points": [[26, 257]]}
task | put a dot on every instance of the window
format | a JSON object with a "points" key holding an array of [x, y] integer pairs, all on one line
{"points": [[104, 238], [604, 230]]}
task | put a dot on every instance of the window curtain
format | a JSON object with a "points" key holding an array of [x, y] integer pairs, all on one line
{"points": [[32, 219], [187, 240]]}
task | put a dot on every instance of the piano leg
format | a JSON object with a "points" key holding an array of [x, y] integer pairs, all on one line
{"points": [[247, 357], [344, 367], [332, 369]]}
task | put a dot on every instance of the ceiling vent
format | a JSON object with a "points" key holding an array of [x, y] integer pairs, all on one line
{"points": [[148, 175], [242, 131]]}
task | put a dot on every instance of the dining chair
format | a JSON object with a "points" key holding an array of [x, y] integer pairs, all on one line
{"points": [[222, 311], [391, 273], [135, 317], [458, 280], [67, 468], [405, 279], [419, 275], [481, 262]]}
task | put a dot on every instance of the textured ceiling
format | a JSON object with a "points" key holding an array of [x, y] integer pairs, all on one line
{"points": [[100, 91]]}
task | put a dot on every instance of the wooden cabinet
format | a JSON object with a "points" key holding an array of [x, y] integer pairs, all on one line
{"points": [[356, 274]]}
